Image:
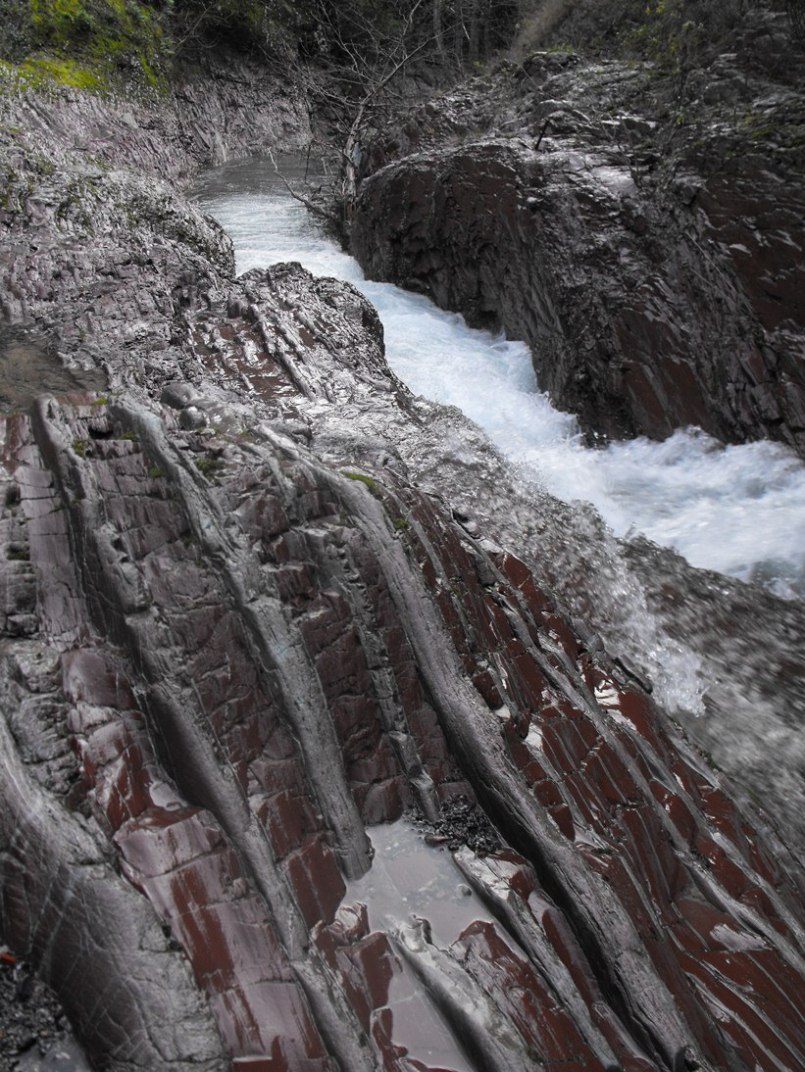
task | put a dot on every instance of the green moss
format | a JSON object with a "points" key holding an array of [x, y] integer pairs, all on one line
{"points": [[400, 524], [42, 165], [101, 400], [61, 21], [129, 436], [209, 467], [87, 44], [80, 447], [38, 71], [363, 478], [151, 78], [8, 183], [155, 472]]}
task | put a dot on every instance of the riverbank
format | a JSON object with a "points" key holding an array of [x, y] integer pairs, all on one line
{"points": [[640, 228]]}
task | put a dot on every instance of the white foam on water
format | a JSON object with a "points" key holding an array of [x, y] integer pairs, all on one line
{"points": [[739, 510]]}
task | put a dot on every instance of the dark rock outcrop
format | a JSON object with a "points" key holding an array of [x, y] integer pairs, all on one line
{"points": [[236, 634], [647, 245]]}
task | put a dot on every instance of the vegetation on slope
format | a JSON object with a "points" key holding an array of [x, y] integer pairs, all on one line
{"points": [[657, 30], [82, 43], [93, 42]]}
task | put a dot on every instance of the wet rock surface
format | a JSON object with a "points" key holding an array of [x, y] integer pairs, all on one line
{"points": [[644, 238], [248, 671], [237, 633]]}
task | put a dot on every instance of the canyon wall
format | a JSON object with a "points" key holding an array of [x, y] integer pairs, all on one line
{"points": [[243, 623], [646, 240]]}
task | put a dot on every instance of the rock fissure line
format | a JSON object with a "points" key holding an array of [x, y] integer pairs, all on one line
{"points": [[303, 704], [483, 755], [204, 767]]}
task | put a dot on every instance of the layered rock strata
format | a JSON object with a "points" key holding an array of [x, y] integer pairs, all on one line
{"points": [[236, 635], [645, 240]]}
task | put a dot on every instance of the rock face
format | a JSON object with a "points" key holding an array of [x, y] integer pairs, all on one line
{"points": [[647, 245], [236, 635]]}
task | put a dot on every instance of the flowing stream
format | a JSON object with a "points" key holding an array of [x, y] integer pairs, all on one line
{"points": [[739, 510]]}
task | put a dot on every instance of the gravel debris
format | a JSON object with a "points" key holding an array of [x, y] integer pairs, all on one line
{"points": [[461, 822], [34, 1034]]}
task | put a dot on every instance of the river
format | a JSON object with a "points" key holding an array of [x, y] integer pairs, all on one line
{"points": [[739, 510]]}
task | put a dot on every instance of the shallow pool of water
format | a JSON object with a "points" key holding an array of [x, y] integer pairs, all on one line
{"points": [[30, 368], [408, 881]]}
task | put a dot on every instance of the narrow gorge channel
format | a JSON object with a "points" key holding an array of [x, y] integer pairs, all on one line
{"points": [[738, 510], [339, 732]]}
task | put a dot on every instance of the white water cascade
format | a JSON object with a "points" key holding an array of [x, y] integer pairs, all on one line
{"points": [[739, 510]]}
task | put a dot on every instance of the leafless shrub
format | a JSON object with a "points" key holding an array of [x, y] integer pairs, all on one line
{"points": [[538, 20]]}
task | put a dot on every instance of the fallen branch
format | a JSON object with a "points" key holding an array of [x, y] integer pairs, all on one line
{"points": [[311, 206]]}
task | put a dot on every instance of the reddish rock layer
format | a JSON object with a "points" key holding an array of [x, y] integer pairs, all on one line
{"points": [[253, 655], [235, 636]]}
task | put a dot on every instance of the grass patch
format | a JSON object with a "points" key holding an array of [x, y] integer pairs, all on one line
{"points": [[209, 467], [361, 478]]}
